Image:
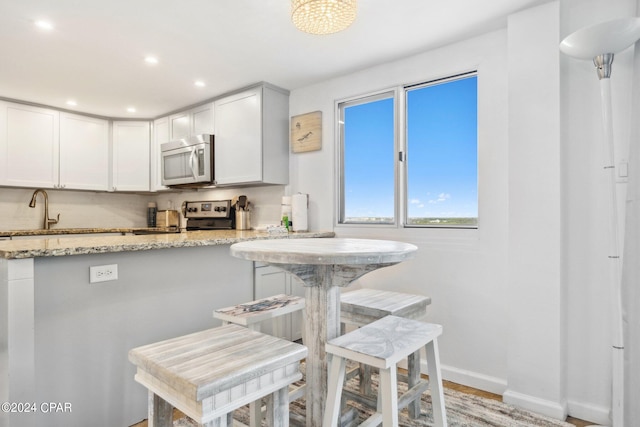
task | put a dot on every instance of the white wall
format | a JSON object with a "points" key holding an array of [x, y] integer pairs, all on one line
{"points": [[480, 280]]}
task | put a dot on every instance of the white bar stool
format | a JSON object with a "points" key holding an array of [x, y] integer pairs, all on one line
{"points": [[209, 374], [252, 315], [383, 344], [364, 306]]}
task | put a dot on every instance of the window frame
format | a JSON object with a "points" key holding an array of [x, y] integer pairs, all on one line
{"points": [[405, 154], [390, 93], [399, 96]]}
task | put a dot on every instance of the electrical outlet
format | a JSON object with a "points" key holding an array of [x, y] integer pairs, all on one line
{"points": [[103, 273]]}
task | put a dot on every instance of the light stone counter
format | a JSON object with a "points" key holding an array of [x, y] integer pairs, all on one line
{"points": [[66, 231], [64, 246]]}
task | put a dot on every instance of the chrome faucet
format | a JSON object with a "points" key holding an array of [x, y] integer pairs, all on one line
{"points": [[47, 221]]}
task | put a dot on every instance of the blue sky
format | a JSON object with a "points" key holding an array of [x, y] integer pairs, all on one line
{"points": [[441, 153]]}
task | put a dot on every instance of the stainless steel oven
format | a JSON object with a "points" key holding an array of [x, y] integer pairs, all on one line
{"points": [[188, 162]]}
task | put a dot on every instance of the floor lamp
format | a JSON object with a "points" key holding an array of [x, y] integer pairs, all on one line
{"points": [[599, 43]]}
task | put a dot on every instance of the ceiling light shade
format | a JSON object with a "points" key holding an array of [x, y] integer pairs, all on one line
{"points": [[322, 16]]}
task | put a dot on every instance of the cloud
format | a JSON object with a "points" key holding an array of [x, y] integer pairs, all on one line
{"points": [[441, 198], [416, 202]]}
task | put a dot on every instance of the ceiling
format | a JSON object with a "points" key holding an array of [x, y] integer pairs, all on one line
{"points": [[95, 52]]}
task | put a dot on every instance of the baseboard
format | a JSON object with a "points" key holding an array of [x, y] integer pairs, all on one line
{"points": [[535, 404], [474, 379], [468, 378], [593, 413]]}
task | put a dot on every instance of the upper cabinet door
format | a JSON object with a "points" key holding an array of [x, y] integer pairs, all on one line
{"points": [[202, 119], [238, 138], [130, 156], [84, 152], [29, 139], [195, 121], [252, 137], [180, 126]]}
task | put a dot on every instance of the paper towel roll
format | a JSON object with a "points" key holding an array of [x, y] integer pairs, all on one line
{"points": [[299, 205]]}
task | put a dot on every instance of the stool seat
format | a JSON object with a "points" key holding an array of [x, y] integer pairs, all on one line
{"points": [[251, 314], [383, 344], [210, 373], [363, 306]]}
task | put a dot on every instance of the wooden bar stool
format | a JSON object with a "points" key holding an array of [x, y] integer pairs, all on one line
{"points": [[383, 344], [209, 374], [252, 315], [364, 306]]}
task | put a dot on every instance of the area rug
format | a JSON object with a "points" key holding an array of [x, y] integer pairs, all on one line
{"points": [[463, 410]]}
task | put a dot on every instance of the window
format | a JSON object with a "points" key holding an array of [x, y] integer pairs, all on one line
{"points": [[368, 147], [436, 156], [442, 155]]}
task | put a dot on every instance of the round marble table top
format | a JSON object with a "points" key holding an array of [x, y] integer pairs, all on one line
{"points": [[324, 251]]}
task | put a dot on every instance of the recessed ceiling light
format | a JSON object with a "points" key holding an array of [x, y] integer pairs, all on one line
{"points": [[72, 103], [44, 25], [199, 83], [151, 60], [131, 109]]}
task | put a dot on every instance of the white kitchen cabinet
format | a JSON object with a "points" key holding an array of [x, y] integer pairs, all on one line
{"points": [[29, 144], [130, 167], [269, 281], [84, 152], [44, 148], [252, 137], [161, 135], [195, 121]]}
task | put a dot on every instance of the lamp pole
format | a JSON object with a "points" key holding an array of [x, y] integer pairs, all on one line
{"points": [[600, 42]]}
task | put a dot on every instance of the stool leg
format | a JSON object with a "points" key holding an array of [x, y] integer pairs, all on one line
{"points": [[217, 422], [160, 412], [435, 384], [334, 390], [255, 413], [278, 408], [389, 393], [413, 362], [364, 374], [255, 408]]}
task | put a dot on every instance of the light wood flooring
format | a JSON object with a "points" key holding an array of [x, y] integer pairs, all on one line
{"points": [[461, 388]]}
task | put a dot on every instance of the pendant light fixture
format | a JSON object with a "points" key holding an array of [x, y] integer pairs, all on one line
{"points": [[322, 16]]}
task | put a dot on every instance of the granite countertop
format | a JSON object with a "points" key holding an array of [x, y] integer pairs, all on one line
{"points": [[63, 246], [58, 231]]}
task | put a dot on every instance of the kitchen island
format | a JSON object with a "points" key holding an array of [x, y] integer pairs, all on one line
{"points": [[64, 340]]}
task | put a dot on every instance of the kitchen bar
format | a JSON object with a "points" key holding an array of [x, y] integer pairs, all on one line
{"points": [[82, 331]]}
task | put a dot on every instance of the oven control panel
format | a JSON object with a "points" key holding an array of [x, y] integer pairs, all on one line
{"points": [[207, 209]]}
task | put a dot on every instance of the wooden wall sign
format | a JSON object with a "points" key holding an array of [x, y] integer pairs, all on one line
{"points": [[306, 132]]}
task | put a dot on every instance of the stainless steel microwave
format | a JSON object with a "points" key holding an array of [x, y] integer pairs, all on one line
{"points": [[188, 162]]}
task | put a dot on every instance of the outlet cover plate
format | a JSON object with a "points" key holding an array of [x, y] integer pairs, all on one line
{"points": [[103, 273]]}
